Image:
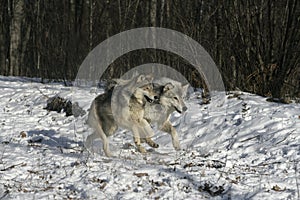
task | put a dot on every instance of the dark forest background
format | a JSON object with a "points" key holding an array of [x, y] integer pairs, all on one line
{"points": [[255, 43]]}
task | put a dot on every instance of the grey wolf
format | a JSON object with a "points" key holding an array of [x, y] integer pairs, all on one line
{"points": [[171, 95], [122, 106]]}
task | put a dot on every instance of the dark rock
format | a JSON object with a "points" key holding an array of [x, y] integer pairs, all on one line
{"points": [[59, 104]]}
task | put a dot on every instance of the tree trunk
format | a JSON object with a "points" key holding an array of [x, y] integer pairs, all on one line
{"points": [[161, 14], [3, 12], [91, 15], [15, 37], [153, 11], [23, 71]]}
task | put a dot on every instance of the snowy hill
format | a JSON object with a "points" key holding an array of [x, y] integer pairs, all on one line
{"points": [[250, 150]]}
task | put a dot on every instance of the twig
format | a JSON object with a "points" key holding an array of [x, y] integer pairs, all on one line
{"points": [[297, 184], [286, 137], [13, 166], [42, 93], [250, 138], [4, 194]]}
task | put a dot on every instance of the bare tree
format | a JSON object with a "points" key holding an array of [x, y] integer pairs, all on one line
{"points": [[4, 27], [17, 14]]}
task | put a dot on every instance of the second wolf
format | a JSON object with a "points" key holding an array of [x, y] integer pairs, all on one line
{"points": [[171, 95]]}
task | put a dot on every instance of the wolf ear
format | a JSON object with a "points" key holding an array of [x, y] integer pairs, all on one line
{"points": [[141, 78], [185, 88], [168, 86], [149, 77]]}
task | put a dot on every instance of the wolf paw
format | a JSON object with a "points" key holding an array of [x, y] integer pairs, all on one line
{"points": [[141, 149], [108, 154], [151, 143], [154, 145], [177, 147]]}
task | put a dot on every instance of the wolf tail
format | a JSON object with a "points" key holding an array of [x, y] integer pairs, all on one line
{"points": [[94, 122]]}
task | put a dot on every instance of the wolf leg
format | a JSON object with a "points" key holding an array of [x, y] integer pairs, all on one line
{"points": [[137, 140], [104, 140], [167, 127], [149, 141], [90, 139], [95, 123], [147, 134]]}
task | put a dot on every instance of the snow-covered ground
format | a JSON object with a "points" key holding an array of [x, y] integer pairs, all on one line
{"points": [[250, 150]]}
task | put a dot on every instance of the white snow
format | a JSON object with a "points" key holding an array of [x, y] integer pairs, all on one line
{"points": [[248, 149]]}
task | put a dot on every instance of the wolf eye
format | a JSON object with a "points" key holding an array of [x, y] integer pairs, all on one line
{"points": [[175, 98]]}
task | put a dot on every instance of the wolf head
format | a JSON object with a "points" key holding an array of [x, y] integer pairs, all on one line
{"points": [[147, 92], [172, 96], [145, 88]]}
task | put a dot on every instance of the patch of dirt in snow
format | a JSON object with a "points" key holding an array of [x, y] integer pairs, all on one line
{"points": [[250, 149]]}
